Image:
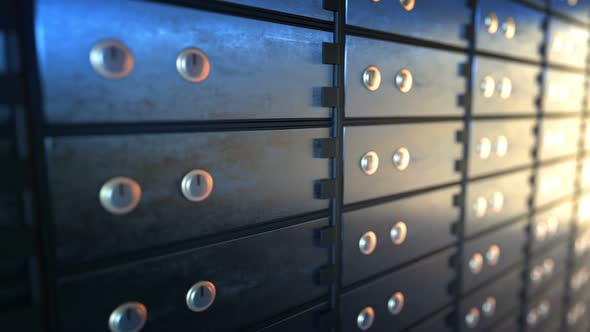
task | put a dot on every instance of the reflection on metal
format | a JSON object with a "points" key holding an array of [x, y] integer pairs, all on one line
{"points": [[193, 65], [372, 78], [395, 305], [491, 23], [128, 317], [509, 28], [365, 318], [404, 80], [112, 59], [120, 195], [367, 243]]}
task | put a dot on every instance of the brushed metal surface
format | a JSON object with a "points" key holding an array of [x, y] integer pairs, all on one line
{"points": [[559, 138], [259, 176], [563, 214], [433, 284], [525, 87], [554, 295], [577, 9], [439, 322], [429, 219], [567, 43], [516, 190], [431, 94], [310, 8], [521, 142], [432, 20], [254, 269], [307, 320], [554, 182], [529, 29], [258, 70], [511, 240], [559, 256], [506, 292], [564, 91], [510, 324], [433, 151]]}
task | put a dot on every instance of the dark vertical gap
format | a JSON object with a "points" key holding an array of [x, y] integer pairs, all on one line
{"points": [[536, 164], [38, 182], [469, 91], [338, 162]]}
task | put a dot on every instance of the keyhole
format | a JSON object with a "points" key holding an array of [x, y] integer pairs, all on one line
{"points": [[112, 59], [113, 52], [193, 65], [202, 291], [121, 189], [128, 314], [199, 180]]}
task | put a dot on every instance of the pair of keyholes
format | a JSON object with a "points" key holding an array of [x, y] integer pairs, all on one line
{"points": [[113, 60]]}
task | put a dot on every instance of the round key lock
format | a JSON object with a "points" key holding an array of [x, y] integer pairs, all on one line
{"points": [[509, 28], [488, 86], [112, 59], [548, 267], [370, 163], [201, 296], [552, 225], [404, 80], [572, 316], [120, 195], [488, 308], [540, 231], [532, 317], [128, 317], [497, 202], [536, 275], [372, 78], [197, 185], [575, 282], [484, 148], [472, 318], [505, 88], [365, 318], [544, 308], [491, 23], [368, 243], [401, 159], [398, 233], [493, 255], [501, 146], [408, 5], [476, 263], [480, 207], [395, 305], [193, 65]]}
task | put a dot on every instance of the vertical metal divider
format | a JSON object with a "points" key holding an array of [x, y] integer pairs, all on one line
{"points": [[40, 191], [338, 162], [470, 72], [535, 152]]}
